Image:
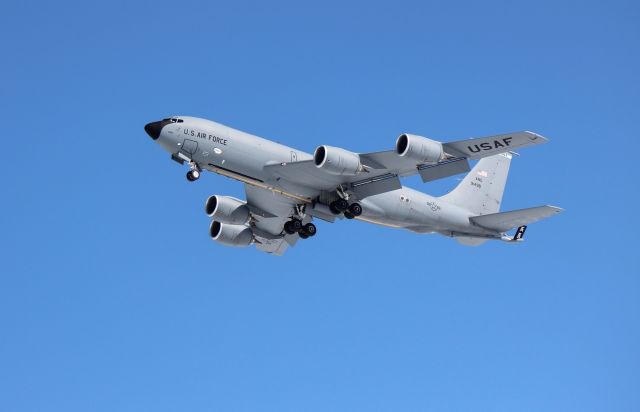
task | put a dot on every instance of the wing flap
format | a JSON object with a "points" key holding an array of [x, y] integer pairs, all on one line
{"points": [[273, 246], [376, 185], [305, 173], [269, 211], [446, 168], [390, 161], [504, 221]]}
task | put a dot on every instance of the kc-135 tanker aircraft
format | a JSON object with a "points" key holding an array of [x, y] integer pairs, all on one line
{"points": [[286, 188]]}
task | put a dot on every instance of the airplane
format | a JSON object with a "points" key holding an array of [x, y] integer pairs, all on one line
{"points": [[287, 188]]}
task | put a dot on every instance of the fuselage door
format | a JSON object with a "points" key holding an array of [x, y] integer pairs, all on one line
{"points": [[189, 147]]}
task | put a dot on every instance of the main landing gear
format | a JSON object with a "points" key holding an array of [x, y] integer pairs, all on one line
{"points": [[349, 210], [296, 226], [194, 173]]}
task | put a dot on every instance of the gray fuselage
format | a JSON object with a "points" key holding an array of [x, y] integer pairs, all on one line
{"points": [[243, 156]]}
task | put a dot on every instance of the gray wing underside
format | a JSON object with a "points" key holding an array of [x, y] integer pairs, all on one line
{"points": [[305, 173], [382, 173], [270, 211]]}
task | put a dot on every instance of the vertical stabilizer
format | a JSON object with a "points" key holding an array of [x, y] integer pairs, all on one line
{"points": [[481, 190]]}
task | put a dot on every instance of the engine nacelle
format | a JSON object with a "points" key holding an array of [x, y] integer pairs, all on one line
{"points": [[419, 149], [231, 235], [337, 161], [226, 209]]}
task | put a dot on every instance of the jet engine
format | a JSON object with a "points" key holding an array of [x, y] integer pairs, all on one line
{"points": [[227, 209], [419, 149], [231, 235], [337, 161]]}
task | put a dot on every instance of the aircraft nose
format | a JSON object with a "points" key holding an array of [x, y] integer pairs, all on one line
{"points": [[153, 129]]}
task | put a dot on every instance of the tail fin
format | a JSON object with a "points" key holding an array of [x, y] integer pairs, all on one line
{"points": [[481, 190]]}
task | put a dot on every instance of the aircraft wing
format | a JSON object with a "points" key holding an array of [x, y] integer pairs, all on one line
{"points": [[270, 211], [305, 173], [480, 147], [382, 173], [382, 170], [475, 148]]}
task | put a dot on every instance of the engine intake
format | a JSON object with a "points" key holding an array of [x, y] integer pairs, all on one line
{"points": [[227, 209], [419, 149], [337, 161], [230, 235]]}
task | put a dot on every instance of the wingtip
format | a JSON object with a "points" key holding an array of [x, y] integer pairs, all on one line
{"points": [[537, 138], [556, 208]]}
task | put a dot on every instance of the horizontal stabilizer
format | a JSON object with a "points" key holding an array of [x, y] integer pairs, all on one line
{"points": [[504, 221], [487, 146]]}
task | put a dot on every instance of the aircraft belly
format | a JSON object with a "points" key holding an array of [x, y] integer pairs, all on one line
{"points": [[387, 209], [300, 190], [416, 211]]}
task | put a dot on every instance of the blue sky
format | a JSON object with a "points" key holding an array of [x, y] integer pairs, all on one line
{"points": [[112, 296]]}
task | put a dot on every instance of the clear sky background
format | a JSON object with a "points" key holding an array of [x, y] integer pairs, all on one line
{"points": [[113, 298]]}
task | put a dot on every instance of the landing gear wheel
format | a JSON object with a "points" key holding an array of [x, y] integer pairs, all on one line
{"points": [[193, 175], [296, 225], [355, 209], [194, 171], [303, 235], [309, 229], [292, 226], [333, 209], [348, 214], [340, 205], [288, 229]]}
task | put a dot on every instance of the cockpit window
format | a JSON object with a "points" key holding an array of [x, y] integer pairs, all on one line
{"points": [[173, 120]]}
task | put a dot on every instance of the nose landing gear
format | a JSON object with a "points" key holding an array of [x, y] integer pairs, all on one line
{"points": [[194, 173]]}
